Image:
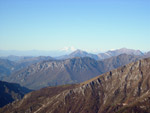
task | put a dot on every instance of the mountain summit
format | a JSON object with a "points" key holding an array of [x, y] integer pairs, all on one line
{"points": [[79, 53]]}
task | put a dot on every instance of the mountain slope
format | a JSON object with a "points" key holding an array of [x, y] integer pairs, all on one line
{"points": [[123, 90], [117, 61], [75, 70], [125, 51], [7, 67], [147, 54], [10, 92]]}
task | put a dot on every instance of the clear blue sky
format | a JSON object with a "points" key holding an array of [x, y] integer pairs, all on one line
{"points": [[84, 24]]}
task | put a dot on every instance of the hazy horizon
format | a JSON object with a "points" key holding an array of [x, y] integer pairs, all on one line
{"points": [[52, 53]]}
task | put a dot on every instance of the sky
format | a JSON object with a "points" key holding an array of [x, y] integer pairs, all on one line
{"points": [[81, 24]]}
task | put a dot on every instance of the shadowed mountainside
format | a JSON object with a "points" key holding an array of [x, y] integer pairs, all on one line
{"points": [[10, 92]]}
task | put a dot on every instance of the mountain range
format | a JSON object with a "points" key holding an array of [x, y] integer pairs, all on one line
{"points": [[123, 90], [69, 71], [65, 54], [38, 72], [6, 67], [101, 56]]}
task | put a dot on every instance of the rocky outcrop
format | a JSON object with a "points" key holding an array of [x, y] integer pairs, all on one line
{"points": [[123, 90]]}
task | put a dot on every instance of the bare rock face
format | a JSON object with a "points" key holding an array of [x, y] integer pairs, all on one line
{"points": [[123, 90]]}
